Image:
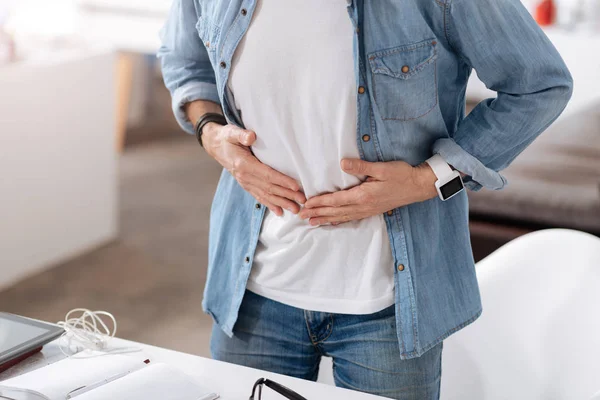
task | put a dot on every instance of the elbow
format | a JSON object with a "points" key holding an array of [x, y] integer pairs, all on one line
{"points": [[564, 91], [559, 93], [567, 91]]}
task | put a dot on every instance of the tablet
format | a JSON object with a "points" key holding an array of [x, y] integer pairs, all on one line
{"points": [[21, 337]]}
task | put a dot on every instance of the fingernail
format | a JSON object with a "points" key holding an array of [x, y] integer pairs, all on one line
{"points": [[346, 164]]}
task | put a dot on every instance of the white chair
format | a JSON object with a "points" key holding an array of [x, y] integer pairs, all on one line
{"points": [[539, 334]]}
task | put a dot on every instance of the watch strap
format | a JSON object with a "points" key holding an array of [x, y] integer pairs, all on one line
{"points": [[205, 119], [440, 167]]}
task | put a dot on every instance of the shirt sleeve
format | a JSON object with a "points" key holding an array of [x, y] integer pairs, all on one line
{"points": [[513, 57], [186, 68]]}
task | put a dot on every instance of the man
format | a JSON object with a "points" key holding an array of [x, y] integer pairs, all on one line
{"points": [[340, 225]]}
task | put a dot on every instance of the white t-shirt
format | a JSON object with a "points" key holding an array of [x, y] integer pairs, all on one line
{"points": [[293, 81]]}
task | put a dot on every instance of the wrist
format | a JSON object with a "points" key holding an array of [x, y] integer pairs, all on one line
{"points": [[207, 119], [425, 180], [209, 132]]}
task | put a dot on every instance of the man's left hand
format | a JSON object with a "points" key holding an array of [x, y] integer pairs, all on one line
{"points": [[388, 185]]}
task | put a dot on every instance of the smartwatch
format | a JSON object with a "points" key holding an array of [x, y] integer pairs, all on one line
{"points": [[449, 182]]}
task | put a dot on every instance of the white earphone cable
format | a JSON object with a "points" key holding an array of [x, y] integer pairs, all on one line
{"points": [[86, 330]]}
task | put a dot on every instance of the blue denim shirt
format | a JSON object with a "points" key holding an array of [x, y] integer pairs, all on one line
{"points": [[414, 58]]}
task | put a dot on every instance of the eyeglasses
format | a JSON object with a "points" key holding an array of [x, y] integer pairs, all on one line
{"points": [[282, 390]]}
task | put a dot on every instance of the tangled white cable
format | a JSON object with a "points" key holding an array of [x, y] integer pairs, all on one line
{"points": [[86, 328]]}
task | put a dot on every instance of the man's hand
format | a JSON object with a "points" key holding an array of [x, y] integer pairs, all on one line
{"points": [[388, 185], [229, 145]]}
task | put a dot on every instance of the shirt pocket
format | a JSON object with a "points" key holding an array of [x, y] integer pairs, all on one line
{"points": [[404, 80], [209, 34]]}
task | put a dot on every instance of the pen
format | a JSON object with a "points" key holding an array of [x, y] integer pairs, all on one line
{"points": [[93, 386]]}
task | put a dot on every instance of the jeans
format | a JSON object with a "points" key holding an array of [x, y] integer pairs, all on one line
{"points": [[275, 337]]}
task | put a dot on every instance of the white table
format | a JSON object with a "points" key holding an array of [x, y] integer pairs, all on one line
{"points": [[232, 382]]}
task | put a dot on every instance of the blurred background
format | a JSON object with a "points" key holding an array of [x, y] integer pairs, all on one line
{"points": [[104, 201]]}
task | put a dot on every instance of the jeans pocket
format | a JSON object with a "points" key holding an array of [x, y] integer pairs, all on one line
{"points": [[404, 80]]}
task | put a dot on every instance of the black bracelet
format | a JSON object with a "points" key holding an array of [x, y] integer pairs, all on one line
{"points": [[205, 119]]}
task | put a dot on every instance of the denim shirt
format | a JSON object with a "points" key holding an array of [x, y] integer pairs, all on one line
{"points": [[413, 59]]}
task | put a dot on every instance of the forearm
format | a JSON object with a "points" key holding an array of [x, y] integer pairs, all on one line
{"points": [[195, 109]]}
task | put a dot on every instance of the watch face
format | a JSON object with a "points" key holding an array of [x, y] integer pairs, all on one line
{"points": [[451, 188]]}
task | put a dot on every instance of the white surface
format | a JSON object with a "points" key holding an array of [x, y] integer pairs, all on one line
{"points": [[157, 381], [232, 382], [304, 133], [57, 380], [126, 26], [539, 334], [579, 50], [58, 187]]}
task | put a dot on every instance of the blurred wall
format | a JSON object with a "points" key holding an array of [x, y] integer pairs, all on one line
{"points": [[58, 188]]}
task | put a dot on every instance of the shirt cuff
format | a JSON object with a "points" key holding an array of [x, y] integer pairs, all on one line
{"points": [[478, 175], [190, 92]]}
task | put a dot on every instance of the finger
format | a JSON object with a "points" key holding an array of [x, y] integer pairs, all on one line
{"points": [[322, 212], [237, 135], [273, 208], [335, 199], [282, 202], [266, 195], [267, 203], [354, 216], [356, 166], [271, 175], [276, 190]]}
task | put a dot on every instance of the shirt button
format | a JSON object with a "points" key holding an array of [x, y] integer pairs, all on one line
{"points": [[257, 206], [223, 64], [244, 11], [247, 259], [366, 138], [361, 89], [405, 69], [400, 267], [390, 212]]}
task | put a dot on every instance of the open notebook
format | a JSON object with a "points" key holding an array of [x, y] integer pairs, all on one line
{"points": [[97, 376]]}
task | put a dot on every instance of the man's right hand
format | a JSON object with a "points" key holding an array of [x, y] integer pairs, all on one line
{"points": [[229, 145]]}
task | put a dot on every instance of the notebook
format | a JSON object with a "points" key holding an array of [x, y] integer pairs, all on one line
{"points": [[96, 376]]}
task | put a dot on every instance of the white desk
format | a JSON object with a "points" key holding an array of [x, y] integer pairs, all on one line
{"points": [[232, 382]]}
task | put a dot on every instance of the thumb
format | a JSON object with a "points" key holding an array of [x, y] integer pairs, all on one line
{"points": [[241, 136], [355, 166]]}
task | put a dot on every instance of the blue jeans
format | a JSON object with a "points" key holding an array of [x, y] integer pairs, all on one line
{"points": [[272, 336]]}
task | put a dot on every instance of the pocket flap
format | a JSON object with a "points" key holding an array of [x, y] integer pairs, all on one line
{"points": [[207, 32], [403, 61]]}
